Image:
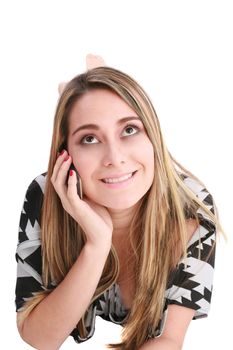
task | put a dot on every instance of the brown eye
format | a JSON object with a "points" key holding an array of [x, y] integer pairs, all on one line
{"points": [[131, 130], [89, 139]]}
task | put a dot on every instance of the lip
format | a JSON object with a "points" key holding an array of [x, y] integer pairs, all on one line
{"points": [[122, 184]]}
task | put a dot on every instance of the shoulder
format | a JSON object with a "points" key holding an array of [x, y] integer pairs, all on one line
{"points": [[38, 184], [35, 192], [191, 284], [205, 197], [29, 225], [205, 233], [28, 252], [200, 190]]}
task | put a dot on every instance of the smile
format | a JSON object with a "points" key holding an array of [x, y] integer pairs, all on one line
{"points": [[119, 181]]}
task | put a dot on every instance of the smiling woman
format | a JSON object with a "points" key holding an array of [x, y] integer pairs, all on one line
{"points": [[137, 249], [110, 149]]}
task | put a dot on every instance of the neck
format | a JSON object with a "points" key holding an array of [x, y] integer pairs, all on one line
{"points": [[121, 221]]}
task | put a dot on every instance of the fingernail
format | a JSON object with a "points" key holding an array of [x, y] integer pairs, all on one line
{"points": [[71, 172], [66, 158], [63, 151]]}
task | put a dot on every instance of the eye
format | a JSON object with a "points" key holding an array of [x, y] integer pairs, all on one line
{"points": [[89, 139], [128, 131], [131, 130]]}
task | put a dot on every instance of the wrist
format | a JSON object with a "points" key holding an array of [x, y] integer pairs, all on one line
{"points": [[98, 249]]}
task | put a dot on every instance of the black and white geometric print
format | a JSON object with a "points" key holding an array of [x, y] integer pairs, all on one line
{"points": [[193, 280], [190, 285], [28, 253]]}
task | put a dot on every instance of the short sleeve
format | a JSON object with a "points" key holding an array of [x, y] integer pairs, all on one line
{"points": [[29, 258], [28, 253], [192, 283]]}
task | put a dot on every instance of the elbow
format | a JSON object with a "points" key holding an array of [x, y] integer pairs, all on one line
{"points": [[36, 341], [161, 343], [23, 334], [40, 344], [173, 344]]}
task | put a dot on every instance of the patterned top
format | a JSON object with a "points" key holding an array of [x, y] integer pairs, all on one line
{"points": [[190, 285]]}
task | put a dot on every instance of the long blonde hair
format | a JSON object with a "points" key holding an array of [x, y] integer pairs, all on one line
{"points": [[158, 226]]}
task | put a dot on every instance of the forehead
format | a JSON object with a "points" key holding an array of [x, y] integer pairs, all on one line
{"points": [[99, 106]]}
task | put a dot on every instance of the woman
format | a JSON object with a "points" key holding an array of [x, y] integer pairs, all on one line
{"points": [[136, 247]]}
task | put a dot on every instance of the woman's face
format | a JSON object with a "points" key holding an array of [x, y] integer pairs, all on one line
{"points": [[110, 149]]}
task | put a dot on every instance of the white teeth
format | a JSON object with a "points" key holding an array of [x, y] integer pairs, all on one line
{"points": [[119, 179]]}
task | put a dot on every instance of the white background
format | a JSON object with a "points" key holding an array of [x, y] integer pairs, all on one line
{"points": [[181, 53]]}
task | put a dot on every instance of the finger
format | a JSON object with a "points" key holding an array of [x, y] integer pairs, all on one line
{"points": [[60, 159], [60, 184], [62, 175], [72, 194]]}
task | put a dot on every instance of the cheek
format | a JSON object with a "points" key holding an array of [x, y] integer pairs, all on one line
{"points": [[145, 153], [151, 155], [84, 167], [83, 160], [148, 161], [84, 163]]}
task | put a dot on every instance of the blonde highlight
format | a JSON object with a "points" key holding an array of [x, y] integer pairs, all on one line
{"points": [[158, 225]]}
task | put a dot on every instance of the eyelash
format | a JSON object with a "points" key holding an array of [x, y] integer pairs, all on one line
{"points": [[126, 127]]}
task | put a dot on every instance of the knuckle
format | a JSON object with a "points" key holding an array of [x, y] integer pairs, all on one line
{"points": [[55, 185], [58, 183]]}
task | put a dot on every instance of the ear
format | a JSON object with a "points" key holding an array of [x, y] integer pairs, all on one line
{"points": [[94, 61]]}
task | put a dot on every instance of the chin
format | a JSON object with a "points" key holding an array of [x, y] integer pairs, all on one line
{"points": [[120, 204]]}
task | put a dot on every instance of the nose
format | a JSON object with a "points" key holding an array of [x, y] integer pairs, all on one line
{"points": [[114, 155]]}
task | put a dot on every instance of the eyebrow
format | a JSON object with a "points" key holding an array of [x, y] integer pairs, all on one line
{"points": [[96, 127]]}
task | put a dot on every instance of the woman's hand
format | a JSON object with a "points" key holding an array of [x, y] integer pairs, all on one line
{"points": [[93, 218]]}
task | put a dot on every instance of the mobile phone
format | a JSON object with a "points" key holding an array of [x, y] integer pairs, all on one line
{"points": [[79, 182]]}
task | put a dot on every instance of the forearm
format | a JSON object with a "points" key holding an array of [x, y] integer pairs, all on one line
{"points": [[160, 344], [51, 322]]}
